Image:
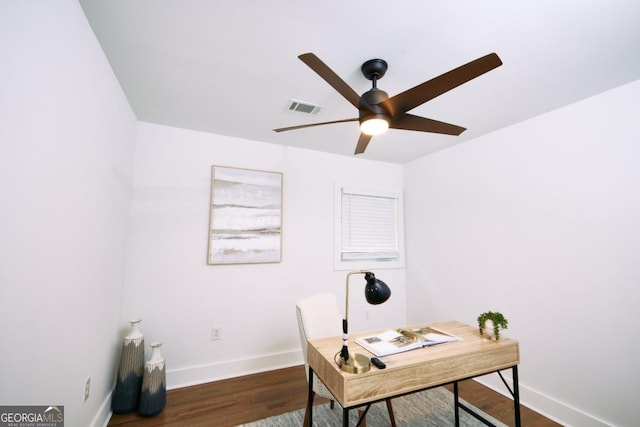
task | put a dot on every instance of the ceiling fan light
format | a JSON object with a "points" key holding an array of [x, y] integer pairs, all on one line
{"points": [[374, 126]]}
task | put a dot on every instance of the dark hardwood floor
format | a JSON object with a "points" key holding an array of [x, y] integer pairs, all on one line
{"points": [[240, 400]]}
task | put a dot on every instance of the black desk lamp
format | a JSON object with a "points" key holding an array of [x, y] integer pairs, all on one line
{"points": [[376, 292]]}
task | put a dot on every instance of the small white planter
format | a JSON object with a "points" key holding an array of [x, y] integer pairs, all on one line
{"points": [[488, 330]]}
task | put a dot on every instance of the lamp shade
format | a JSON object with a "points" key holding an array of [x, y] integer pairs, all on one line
{"points": [[376, 291]]}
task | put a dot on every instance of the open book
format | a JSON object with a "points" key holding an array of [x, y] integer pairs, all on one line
{"points": [[399, 340]]}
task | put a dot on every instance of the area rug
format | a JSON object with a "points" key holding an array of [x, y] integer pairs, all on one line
{"points": [[431, 408]]}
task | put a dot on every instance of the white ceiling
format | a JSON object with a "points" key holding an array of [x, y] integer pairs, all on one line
{"points": [[230, 67]]}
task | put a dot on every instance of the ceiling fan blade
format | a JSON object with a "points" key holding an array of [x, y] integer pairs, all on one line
{"points": [[422, 124], [428, 90], [330, 77], [355, 119], [362, 143]]}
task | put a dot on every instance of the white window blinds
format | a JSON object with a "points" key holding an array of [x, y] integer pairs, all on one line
{"points": [[369, 227]]}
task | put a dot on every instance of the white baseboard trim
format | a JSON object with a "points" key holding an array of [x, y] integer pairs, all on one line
{"points": [[103, 416], [554, 410], [194, 375]]}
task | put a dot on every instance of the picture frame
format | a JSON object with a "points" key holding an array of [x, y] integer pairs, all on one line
{"points": [[245, 217]]}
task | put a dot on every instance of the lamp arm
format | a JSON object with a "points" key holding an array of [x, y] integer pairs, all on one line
{"points": [[344, 353]]}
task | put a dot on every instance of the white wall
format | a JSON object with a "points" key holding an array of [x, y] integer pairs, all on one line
{"points": [[180, 298], [67, 140], [541, 221]]}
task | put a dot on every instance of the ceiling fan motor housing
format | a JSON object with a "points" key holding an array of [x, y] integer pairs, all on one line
{"points": [[370, 107]]}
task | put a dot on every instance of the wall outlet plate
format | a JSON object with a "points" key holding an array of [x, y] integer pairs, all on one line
{"points": [[216, 333], [87, 388]]}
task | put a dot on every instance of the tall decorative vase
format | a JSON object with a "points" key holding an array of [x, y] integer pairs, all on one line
{"points": [[126, 395], [154, 392]]}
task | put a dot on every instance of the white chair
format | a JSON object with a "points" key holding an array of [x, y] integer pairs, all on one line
{"points": [[319, 317]]}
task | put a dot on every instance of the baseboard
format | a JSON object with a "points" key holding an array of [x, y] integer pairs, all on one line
{"points": [[554, 410], [194, 375], [102, 417]]}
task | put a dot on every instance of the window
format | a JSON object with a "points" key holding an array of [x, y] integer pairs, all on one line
{"points": [[368, 228]]}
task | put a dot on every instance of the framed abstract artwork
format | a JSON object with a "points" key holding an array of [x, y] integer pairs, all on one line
{"points": [[245, 218]]}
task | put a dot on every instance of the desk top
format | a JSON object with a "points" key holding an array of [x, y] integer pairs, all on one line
{"points": [[412, 370]]}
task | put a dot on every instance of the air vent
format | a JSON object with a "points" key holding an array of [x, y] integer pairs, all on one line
{"points": [[302, 107]]}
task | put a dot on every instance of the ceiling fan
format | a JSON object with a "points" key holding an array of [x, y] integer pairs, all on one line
{"points": [[378, 112]]}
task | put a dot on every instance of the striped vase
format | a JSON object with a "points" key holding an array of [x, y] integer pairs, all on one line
{"points": [[154, 393], [126, 395]]}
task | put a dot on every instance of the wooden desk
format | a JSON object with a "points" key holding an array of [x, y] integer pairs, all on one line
{"points": [[413, 370]]}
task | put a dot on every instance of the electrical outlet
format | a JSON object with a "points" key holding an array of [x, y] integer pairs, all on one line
{"points": [[367, 315], [216, 333], [87, 388]]}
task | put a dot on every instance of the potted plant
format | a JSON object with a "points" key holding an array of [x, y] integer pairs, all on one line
{"points": [[490, 323]]}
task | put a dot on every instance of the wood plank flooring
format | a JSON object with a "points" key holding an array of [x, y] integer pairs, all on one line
{"points": [[235, 401]]}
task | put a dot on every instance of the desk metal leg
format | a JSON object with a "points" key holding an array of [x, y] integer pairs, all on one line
{"points": [[361, 418], [310, 398], [456, 405], [516, 395]]}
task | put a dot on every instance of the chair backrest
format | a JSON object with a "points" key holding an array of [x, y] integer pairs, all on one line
{"points": [[318, 317]]}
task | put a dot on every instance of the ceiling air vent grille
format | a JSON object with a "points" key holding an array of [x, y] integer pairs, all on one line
{"points": [[302, 107]]}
